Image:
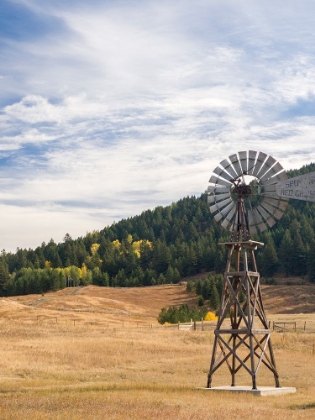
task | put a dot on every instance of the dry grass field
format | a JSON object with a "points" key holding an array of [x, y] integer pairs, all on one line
{"points": [[99, 353]]}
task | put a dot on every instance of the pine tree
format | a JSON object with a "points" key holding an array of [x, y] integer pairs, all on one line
{"points": [[214, 298], [4, 278], [311, 263], [270, 258]]}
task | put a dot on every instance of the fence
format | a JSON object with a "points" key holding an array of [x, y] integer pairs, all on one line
{"points": [[72, 321], [285, 326], [197, 326], [277, 326]]}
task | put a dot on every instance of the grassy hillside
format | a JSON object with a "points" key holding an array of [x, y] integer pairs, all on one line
{"points": [[91, 353], [135, 306]]}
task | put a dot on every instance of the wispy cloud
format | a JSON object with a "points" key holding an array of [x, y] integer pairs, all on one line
{"points": [[110, 108]]}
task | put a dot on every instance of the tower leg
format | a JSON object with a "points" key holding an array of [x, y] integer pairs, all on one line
{"points": [[242, 332], [214, 351]]}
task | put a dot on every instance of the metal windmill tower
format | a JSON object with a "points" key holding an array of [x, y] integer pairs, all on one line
{"points": [[244, 196]]}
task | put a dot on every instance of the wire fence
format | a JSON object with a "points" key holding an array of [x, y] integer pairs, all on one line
{"points": [[276, 326]]}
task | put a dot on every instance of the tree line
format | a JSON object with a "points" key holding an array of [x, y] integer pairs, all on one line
{"points": [[157, 247]]}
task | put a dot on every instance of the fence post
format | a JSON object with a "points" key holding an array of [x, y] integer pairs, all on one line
{"points": [[178, 324], [304, 325]]}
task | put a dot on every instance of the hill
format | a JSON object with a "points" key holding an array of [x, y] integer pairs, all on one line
{"points": [[160, 246], [131, 306]]}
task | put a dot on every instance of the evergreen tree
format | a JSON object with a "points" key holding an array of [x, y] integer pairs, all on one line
{"points": [[269, 259], [214, 298], [285, 252], [4, 278]]}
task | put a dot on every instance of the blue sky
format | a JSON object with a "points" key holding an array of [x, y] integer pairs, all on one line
{"points": [[109, 108]]}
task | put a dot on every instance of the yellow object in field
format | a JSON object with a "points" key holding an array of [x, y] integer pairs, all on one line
{"points": [[210, 316]]}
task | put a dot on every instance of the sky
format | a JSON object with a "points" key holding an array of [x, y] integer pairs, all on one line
{"points": [[112, 107]]}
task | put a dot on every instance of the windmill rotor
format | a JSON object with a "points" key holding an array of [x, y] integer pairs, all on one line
{"points": [[249, 177]]}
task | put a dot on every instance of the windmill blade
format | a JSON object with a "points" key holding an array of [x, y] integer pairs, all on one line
{"points": [[260, 160], [272, 172], [278, 214], [228, 168], [267, 217], [251, 222], [220, 205], [272, 210], [224, 211], [217, 189], [225, 223], [270, 222], [218, 217], [251, 161], [277, 203], [218, 197], [236, 165], [259, 221], [266, 167], [243, 161], [275, 179], [232, 227], [269, 190], [229, 216], [228, 208], [222, 174], [216, 180]]}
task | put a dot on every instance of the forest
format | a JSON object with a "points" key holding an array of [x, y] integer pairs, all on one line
{"points": [[159, 246]]}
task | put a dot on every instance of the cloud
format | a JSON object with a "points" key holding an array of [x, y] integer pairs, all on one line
{"points": [[110, 108]]}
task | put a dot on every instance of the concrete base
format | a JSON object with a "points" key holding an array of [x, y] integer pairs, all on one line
{"points": [[261, 391]]}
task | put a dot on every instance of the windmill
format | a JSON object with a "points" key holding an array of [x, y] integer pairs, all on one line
{"points": [[248, 193]]}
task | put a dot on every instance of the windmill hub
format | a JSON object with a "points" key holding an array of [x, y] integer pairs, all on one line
{"points": [[242, 190]]}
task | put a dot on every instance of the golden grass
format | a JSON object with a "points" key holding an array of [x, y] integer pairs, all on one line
{"points": [[115, 366]]}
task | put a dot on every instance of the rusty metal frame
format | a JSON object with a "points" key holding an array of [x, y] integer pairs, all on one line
{"points": [[248, 331]]}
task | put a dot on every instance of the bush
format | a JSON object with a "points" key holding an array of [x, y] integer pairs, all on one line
{"points": [[201, 301], [210, 316], [271, 281], [173, 315], [190, 287]]}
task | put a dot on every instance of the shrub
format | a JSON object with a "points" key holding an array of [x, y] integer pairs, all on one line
{"points": [[173, 315], [201, 301], [210, 316]]}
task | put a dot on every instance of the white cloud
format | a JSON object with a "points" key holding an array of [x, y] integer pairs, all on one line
{"points": [[131, 105]]}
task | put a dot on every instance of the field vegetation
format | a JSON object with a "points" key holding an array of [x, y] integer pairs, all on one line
{"points": [[96, 353]]}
